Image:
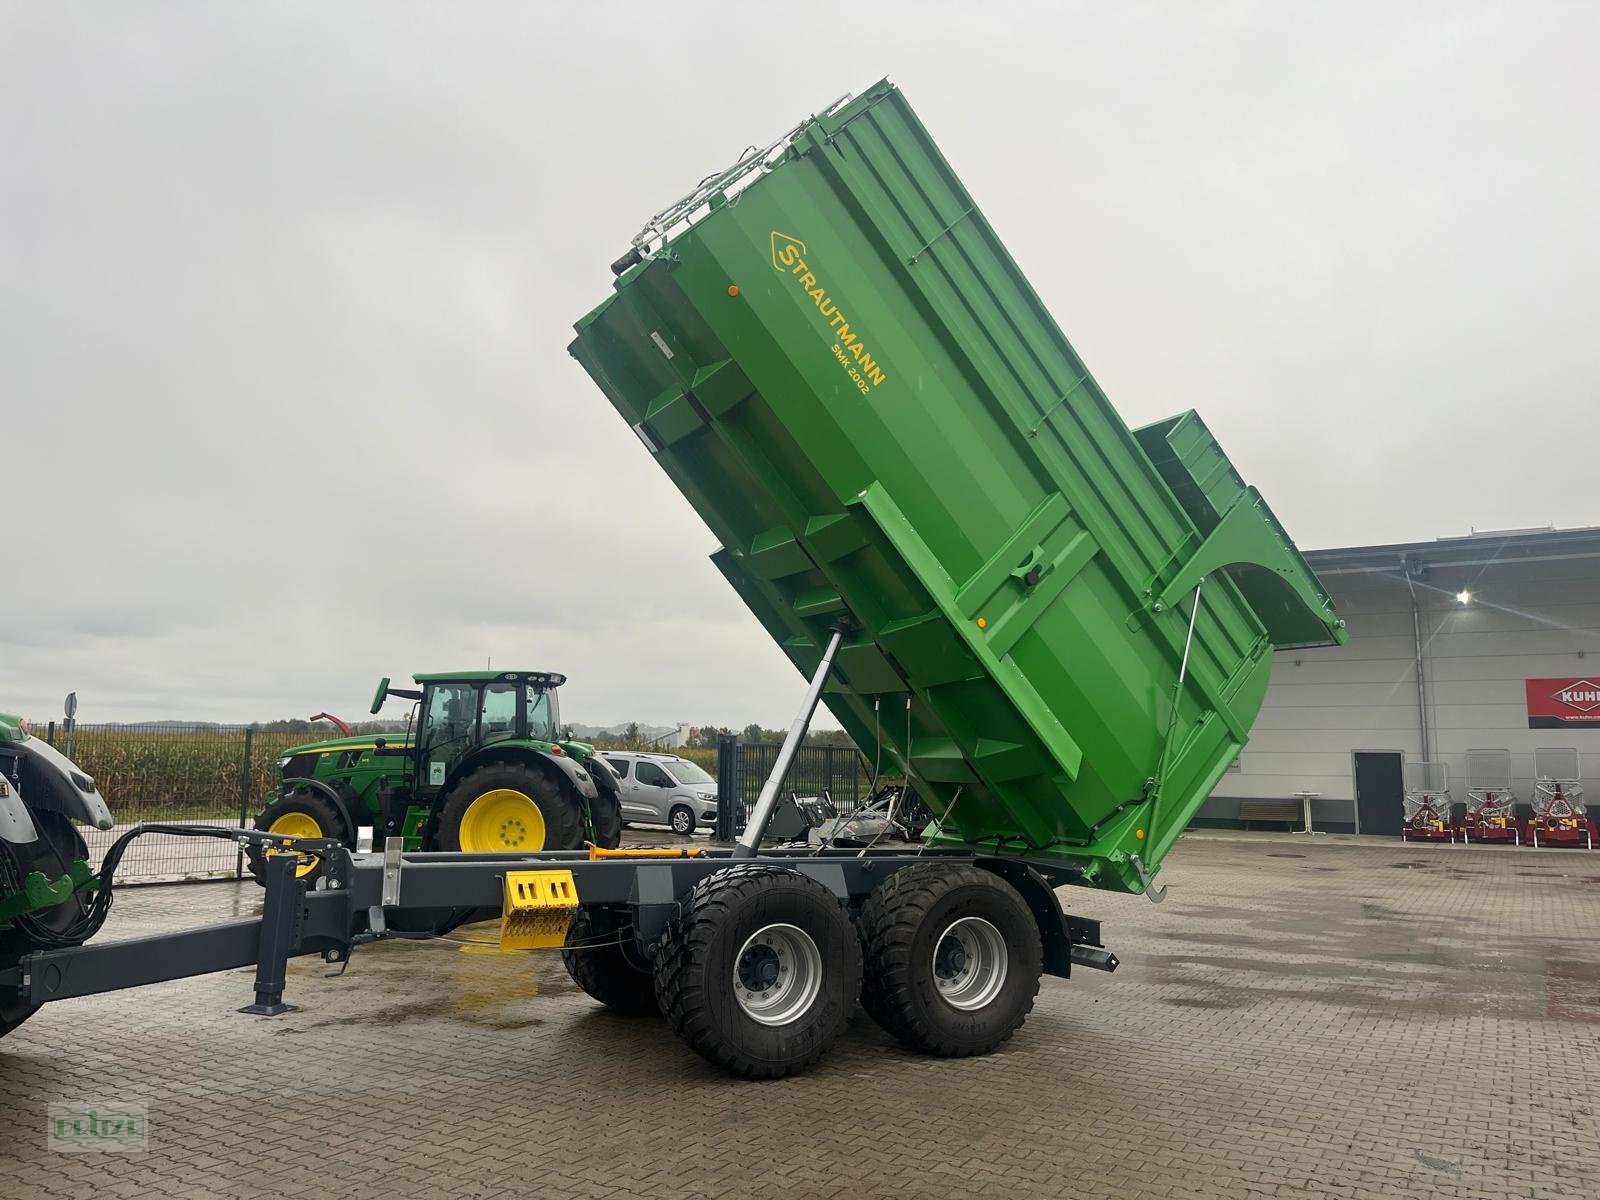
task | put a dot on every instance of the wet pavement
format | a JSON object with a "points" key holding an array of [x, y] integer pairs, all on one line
{"points": [[1302, 1017]]}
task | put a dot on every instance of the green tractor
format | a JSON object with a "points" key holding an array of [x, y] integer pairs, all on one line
{"points": [[486, 770]]}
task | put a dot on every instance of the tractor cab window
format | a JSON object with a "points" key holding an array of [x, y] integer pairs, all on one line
{"points": [[542, 714], [449, 714], [499, 712]]}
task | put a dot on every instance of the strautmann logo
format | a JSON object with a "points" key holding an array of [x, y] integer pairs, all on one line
{"points": [[849, 346]]}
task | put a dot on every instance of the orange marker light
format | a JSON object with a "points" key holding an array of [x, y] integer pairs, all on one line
{"points": [[982, 624], [1139, 833], [733, 289]]}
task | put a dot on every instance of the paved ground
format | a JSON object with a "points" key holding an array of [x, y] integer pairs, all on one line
{"points": [[1326, 1017]]}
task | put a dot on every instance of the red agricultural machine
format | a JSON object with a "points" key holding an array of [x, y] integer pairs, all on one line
{"points": [[1491, 814], [1427, 803], [1559, 815]]}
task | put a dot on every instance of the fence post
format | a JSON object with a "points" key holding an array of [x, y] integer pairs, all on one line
{"points": [[50, 734], [244, 796], [728, 789]]}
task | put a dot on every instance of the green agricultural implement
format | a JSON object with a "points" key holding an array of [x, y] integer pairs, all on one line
{"points": [[45, 879], [830, 353], [1057, 628], [486, 770]]}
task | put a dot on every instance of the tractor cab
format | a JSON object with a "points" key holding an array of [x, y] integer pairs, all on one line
{"points": [[459, 713]]}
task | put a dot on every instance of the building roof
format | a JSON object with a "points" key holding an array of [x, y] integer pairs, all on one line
{"points": [[1474, 549]]}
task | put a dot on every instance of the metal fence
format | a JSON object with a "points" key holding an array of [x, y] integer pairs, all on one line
{"points": [[202, 775], [742, 767]]}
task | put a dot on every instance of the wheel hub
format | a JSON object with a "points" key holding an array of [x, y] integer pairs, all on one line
{"points": [[759, 968], [969, 964], [777, 975], [502, 819]]}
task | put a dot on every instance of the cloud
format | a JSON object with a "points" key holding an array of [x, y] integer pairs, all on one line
{"points": [[285, 295]]}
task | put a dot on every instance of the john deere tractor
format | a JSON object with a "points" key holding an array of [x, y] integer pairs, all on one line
{"points": [[482, 767], [45, 878]]}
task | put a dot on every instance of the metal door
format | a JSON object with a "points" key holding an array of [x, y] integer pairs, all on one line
{"points": [[1380, 791]]}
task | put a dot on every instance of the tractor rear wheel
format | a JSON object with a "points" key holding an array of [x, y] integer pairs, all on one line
{"points": [[510, 807], [953, 959], [603, 959], [299, 814]]}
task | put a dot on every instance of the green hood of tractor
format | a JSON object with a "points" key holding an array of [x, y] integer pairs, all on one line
{"points": [[11, 728], [355, 742]]}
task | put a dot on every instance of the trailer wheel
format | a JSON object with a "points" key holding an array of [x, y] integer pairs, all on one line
{"points": [[953, 959], [300, 814], [758, 970], [603, 959], [509, 806]]}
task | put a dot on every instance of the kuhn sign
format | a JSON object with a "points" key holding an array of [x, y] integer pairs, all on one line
{"points": [[1563, 703]]}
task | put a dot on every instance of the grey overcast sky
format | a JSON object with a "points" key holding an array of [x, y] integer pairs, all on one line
{"points": [[285, 291]]}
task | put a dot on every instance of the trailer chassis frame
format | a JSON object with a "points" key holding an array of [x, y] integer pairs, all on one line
{"points": [[357, 897]]}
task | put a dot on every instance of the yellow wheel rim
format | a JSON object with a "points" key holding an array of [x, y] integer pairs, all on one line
{"points": [[300, 825], [504, 819]]}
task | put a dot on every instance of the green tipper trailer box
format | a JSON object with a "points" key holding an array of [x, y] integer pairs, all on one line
{"points": [[831, 354]]}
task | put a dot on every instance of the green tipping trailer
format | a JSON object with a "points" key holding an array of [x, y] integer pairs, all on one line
{"points": [[1060, 629]]}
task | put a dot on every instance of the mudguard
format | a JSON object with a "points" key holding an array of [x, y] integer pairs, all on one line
{"points": [[580, 779], [16, 826], [604, 777], [53, 784]]}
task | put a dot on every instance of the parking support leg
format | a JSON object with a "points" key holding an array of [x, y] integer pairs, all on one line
{"points": [[280, 917]]}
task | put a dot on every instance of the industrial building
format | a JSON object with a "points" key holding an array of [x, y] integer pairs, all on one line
{"points": [[1490, 641]]}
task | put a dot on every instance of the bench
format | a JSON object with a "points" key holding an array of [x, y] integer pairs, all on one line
{"points": [[1284, 812]]}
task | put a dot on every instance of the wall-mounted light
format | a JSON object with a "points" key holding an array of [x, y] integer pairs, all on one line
{"points": [[1463, 597]]}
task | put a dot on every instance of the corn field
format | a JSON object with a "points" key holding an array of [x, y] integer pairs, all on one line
{"points": [[179, 774]]}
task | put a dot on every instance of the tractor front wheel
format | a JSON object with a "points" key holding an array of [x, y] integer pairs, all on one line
{"points": [[299, 814], [606, 809], [510, 807]]}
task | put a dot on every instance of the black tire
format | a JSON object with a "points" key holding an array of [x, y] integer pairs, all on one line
{"points": [[305, 803], [924, 978], [606, 808], [714, 933], [58, 846], [558, 806], [604, 960], [681, 818]]}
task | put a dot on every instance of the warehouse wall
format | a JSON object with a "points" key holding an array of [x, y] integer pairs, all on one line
{"points": [[1527, 620]]}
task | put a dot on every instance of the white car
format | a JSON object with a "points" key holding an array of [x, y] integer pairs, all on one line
{"points": [[663, 789]]}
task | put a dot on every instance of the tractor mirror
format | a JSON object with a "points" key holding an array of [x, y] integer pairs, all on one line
{"points": [[380, 695]]}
